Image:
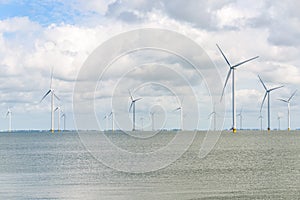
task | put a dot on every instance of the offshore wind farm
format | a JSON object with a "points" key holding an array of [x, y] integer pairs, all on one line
{"points": [[127, 100]]}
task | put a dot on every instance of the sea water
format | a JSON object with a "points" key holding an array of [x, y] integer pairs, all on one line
{"points": [[246, 165]]}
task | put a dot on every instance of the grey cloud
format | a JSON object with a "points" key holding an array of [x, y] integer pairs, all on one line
{"points": [[198, 13]]}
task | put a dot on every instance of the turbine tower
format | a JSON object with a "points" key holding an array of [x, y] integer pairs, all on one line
{"points": [[288, 106], [52, 102], [8, 114], [132, 106], [267, 94], [58, 117], [278, 122], [231, 70]]}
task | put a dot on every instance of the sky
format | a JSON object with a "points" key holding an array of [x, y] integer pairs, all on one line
{"points": [[37, 36]]}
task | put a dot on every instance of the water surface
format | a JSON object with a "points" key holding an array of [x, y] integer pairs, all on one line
{"points": [[246, 165]]}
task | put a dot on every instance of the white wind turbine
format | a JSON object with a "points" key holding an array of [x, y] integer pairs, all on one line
{"points": [[106, 122], [288, 106], [278, 118], [142, 121], [267, 94], [8, 114], [58, 117], [231, 70], [260, 118], [241, 118], [181, 114], [214, 114], [152, 119], [132, 106], [112, 120], [52, 102], [64, 116]]}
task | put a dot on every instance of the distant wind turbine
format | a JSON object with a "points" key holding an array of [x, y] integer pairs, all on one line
{"points": [[64, 116], [132, 106], [8, 114], [58, 117], [260, 117], [52, 102], [142, 121], [214, 114], [231, 70], [288, 105], [152, 119], [112, 120], [181, 114], [106, 122], [278, 122], [267, 94], [241, 118]]}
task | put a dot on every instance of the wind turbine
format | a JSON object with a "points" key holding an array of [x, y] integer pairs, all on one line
{"points": [[181, 114], [267, 94], [132, 106], [64, 116], [58, 117], [142, 120], [152, 119], [111, 114], [260, 117], [241, 118], [231, 70], [52, 102], [278, 122], [214, 114], [8, 114], [288, 105], [106, 122]]}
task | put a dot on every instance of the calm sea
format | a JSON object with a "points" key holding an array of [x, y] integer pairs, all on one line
{"points": [[246, 165]]}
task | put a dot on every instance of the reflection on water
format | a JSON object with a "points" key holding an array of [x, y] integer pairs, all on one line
{"points": [[247, 165]]}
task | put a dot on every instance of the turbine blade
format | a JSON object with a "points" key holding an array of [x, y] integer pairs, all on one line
{"points": [[137, 99], [56, 97], [130, 95], [228, 75], [262, 83], [51, 77], [110, 114], [276, 88], [131, 105], [211, 114], [45, 96], [245, 61], [292, 95], [224, 56], [181, 102], [283, 100], [263, 101], [56, 109], [179, 108]]}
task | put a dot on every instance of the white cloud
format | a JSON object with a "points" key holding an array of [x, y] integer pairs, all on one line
{"points": [[28, 49]]}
